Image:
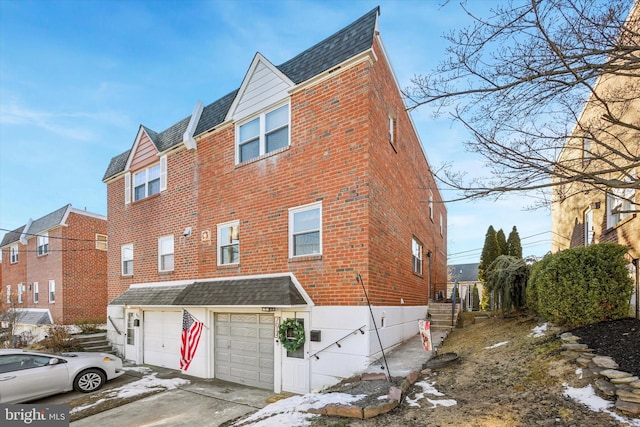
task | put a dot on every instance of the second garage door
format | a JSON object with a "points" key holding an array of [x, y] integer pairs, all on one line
{"points": [[244, 348], [162, 332]]}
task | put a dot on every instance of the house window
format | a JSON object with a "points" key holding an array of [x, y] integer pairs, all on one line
{"points": [[101, 242], [228, 243], [588, 227], [35, 292], [441, 225], [620, 205], [392, 130], [20, 291], [262, 135], [431, 204], [43, 244], [305, 230], [52, 291], [126, 255], [416, 250], [587, 147], [8, 294], [165, 253], [146, 183], [14, 254]]}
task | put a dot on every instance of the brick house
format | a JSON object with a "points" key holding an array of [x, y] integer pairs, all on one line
{"points": [[265, 205], [56, 267], [581, 215]]}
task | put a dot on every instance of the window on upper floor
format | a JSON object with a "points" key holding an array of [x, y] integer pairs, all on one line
{"points": [[8, 294], [35, 293], [587, 150], [52, 291], [43, 244], [620, 205], [126, 256], [588, 227], [441, 224], [263, 134], [146, 182], [165, 253], [305, 230], [431, 204], [416, 250], [20, 292], [13, 258], [101, 242], [228, 243]]}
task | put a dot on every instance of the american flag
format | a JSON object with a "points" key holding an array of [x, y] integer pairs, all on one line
{"points": [[191, 330]]}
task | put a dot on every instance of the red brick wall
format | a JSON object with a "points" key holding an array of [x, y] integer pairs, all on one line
{"points": [[13, 274], [44, 268], [339, 155], [144, 221]]}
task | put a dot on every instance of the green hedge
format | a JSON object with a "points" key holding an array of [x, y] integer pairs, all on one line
{"points": [[580, 286]]}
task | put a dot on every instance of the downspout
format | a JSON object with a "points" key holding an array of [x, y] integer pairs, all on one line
{"points": [[636, 263], [429, 278]]}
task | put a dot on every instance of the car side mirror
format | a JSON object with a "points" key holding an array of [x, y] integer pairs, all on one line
{"points": [[54, 361]]}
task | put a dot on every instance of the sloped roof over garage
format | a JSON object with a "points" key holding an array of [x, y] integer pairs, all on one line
{"points": [[263, 291]]}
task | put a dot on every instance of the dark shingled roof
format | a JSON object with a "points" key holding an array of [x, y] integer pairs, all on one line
{"points": [[353, 39], [12, 236], [464, 272], [48, 221], [28, 317], [263, 291]]}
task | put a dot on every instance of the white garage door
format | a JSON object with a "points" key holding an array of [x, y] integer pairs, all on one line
{"points": [[244, 349], [162, 330]]}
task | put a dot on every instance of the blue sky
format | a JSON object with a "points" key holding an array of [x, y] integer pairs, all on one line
{"points": [[78, 77]]}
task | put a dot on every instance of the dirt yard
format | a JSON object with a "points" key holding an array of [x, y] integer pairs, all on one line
{"points": [[503, 378]]}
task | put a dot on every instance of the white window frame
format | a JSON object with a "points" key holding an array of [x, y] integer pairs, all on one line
{"points": [[14, 254], [588, 227], [620, 201], [36, 296], [43, 243], [262, 133], [145, 182], [166, 247], [8, 294], [124, 257], [20, 292], [222, 245], [52, 291], [431, 204], [392, 130], [102, 242], [293, 232], [441, 225], [416, 256]]}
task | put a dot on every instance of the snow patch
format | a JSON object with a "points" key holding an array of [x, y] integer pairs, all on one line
{"points": [[497, 345], [588, 397], [428, 388], [538, 331]]}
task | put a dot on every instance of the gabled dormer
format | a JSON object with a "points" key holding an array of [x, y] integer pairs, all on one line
{"points": [[145, 170], [261, 111]]}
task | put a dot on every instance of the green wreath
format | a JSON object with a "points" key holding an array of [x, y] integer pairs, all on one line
{"points": [[291, 334]]}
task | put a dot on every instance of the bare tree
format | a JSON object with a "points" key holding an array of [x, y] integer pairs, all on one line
{"points": [[10, 316], [520, 82]]}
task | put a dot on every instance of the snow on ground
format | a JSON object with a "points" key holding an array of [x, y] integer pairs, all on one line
{"points": [[588, 397], [144, 385], [538, 331], [292, 411], [497, 345], [428, 388]]}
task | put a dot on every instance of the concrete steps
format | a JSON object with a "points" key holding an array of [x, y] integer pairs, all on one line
{"points": [[97, 342], [441, 319]]}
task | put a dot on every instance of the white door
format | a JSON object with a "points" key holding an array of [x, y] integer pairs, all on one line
{"points": [[244, 348], [295, 365], [131, 336], [162, 335]]}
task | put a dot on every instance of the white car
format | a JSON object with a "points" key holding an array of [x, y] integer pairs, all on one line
{"points": [[28, 375]]}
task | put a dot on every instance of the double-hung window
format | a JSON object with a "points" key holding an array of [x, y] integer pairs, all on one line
{"points": [[588, 227], [416, 250], [146, 183], [263, 134], [305, 230], [52, 291], [431, 204], [35, 292], [620, 205], [43, 244], [14, 254], [165, 253], [101, 242], [228, 243], [20, 292], [126, 255]]}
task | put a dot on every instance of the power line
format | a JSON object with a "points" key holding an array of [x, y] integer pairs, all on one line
{"points": [[54, 237]]}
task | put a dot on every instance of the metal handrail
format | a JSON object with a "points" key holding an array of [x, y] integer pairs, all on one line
{"points": [[337, 342], [114, 325]]}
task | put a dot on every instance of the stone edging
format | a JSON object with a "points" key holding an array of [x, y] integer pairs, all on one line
{"points": [[606, 378], [392, 400]]}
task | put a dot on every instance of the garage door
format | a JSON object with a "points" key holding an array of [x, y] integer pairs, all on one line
{"points": [[161, 341], [244, 349]]}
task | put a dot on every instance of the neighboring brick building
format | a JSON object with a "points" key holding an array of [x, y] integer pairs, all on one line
{"points": [[265, 205], [580, 215], [56, 267]]}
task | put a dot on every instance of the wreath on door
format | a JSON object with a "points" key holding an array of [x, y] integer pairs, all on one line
{"points": [[291, 334]]}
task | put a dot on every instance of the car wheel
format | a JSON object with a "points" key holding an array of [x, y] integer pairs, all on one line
{"points": [[89, 380]]}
